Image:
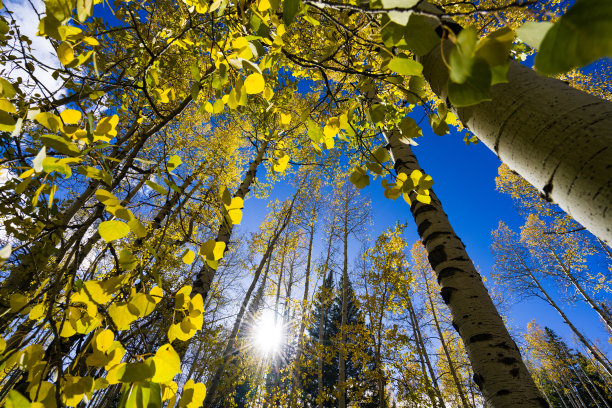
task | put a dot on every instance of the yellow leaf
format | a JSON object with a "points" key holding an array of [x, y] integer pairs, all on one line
{"points": [[425, 199], [167, 364], [113, 230], [16, 400], [285, 119], [212, 250], [96, 292], [70, 116], [7, 106], [144, 303], [49, 120], [189, 257], [103, 340], [193, 395], [122, 316], [264, 5], [157, 293], [254, 83], [65, 53], [37, 312], [106, 127]]}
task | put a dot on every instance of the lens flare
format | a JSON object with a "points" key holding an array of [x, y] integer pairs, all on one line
{"points": [[268, 334]]}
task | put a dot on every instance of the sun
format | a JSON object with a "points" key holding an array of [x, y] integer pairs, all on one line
{"points": [[268, 334]]}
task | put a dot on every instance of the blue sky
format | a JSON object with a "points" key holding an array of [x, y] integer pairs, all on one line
{"points": [[464, 178]]}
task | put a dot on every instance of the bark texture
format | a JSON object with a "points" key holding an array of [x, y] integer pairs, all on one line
{"points": [[499, 370], [204, 278], [556, 137]]}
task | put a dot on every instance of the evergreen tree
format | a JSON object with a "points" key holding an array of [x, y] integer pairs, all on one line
{"points": [[567, 377], [362, 390]]}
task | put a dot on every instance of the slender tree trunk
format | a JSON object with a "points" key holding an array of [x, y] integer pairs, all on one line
{"points": [[594, 351], [566, 270], [499, 370], [421, 343], [204, 278], [322, 317], [556, 137], [297, 368], [451, 365], [342, 357], [231, 342]]}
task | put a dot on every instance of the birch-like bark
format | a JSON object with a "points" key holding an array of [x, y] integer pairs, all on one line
{"points": [[556, 137], [499, 370], [203, 280], [451, 365], [421, 346]]}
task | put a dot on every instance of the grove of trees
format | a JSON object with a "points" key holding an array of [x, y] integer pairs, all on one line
{"points": [[138, 140]]}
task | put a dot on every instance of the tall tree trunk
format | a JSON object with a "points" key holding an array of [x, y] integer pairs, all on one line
{"points": [[342, 357], [499, 370], [230, 350], [298, 356], [204, 278], [588, 299], [451, 365], [421, 345], [556, 137], [322, 318], [597, 354]]}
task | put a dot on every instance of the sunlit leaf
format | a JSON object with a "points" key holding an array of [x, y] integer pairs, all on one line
{"points": [[113, 230]]}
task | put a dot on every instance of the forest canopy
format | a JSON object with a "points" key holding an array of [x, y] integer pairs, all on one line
{"points": [[137, 137]]}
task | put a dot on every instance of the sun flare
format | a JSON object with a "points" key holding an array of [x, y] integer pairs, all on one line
{"points": [[268, 334]]}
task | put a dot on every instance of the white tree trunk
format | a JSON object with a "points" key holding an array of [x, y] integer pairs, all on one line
{"points": [[556, 137], [499, 370]]}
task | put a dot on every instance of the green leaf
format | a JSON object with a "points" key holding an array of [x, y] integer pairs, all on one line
{"points": [[133, 372], [97, 174], [113, 230], [461, 57], [16, 400], [495, 47], [290, 10], [581, 36], [404, 65], [420, 36], [60, 145], [533, 32], [476, 87], [127, 260], [438, 125], [399, 17], [359, 177], [107, 198], [156, 187], [144, 395], [136, 226]]}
